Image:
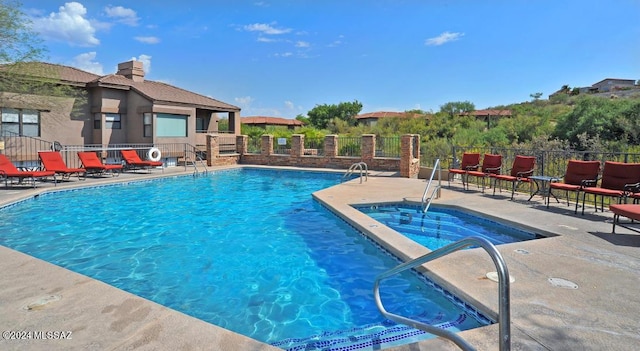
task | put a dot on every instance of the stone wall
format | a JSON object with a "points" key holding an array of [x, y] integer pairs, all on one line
{"points": [[407, 165]]}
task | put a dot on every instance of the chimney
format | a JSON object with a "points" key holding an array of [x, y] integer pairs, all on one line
{"points": [[132, 70]]}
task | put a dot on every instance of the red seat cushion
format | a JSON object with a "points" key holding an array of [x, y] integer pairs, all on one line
{"points": [[627, 210]]}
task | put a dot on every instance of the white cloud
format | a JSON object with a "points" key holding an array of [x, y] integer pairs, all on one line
{"points": [[265, 39], [86, 62], [289, 105], [302, 44], [122, 15], [443, 39], [148, 40], [265, 29], [69, 25], [146, 62], [244, 101]]}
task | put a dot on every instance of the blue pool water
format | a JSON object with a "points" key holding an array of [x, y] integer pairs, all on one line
{"points": [[248, 250], [439, 226]]}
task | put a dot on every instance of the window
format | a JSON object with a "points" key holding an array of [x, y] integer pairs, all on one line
{"points": [[112, 121], [168, 125], [148, 127], [202, 124], [22, 122], [97, 121]]}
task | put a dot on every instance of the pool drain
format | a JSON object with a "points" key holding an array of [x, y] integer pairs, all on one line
{"points": [[41, 302], [521, 251], [493, 276], [562, 283]]}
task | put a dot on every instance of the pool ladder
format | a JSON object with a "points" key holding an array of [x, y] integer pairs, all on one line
{"points": [[192, 155], [426, 198], [364, 170], [504, 313]]}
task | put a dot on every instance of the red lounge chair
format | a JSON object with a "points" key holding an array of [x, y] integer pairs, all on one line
{"points": [[470, 162], [52, 161], [520, 172], [617, 177], [133, 161], [94, 165], [577, 173], [491, 165], [631, 211], [8, 170]]}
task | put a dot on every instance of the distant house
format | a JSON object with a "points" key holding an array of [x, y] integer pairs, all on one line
{"points": [[612, 84], [120, 108], [489, 115], [604, 86], [264, 122], [372, 118]]}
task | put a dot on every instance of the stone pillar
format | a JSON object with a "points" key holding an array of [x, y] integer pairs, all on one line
{"points": [[213, 148], [368, 147], [242, 144], [410, 155], [331, 146], [297, 145], [267, 145]]}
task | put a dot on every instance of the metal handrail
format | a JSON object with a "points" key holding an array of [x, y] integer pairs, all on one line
{"points": [[190, 150], [436, 190], [504, 313], [352, 169]]}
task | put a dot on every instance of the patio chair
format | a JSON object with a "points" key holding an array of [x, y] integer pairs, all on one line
{"points": [[617, 177], [470, 162], [52, 161], [520, 172], [92, 163], [8, 170], [491, 165], [631, 211], [577, 173], [133, 161]]}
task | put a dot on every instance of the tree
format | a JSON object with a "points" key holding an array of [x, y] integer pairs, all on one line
{"points": [[455, 109], [320, 115], [535, 96], [17, 41], [23, 80]]}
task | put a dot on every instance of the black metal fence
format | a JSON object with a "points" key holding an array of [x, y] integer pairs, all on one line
{"points": [[548, 162]]}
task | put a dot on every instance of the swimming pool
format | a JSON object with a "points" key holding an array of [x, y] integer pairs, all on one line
{"points": [[442, 226], [248, 250]]}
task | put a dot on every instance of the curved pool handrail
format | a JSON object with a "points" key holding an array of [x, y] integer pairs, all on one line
{"points": [[504, 312], [363, 171]]}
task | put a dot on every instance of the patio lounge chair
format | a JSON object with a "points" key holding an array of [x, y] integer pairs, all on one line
{"points": [[577, 173], [520, 172], [92, 163], [52, 161], [617, 177], [470, 162], [491, 165], [8, 170], [631, 211], [133, 161]]}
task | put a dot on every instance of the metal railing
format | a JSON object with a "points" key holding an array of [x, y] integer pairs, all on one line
{"points": [[193, 156], [504, 311], [357, 166], [426, 201]]}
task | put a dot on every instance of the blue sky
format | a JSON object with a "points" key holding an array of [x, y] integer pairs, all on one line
{"points": [[282, 58]]}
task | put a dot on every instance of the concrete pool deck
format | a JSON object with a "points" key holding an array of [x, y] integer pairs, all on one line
{"points": [[602, 313]]}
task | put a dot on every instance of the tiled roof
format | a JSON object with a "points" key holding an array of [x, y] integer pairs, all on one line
{"points": [[48, 70], [270, 121], [480, 113], [382, 114], [155, 91], [162, 92]]}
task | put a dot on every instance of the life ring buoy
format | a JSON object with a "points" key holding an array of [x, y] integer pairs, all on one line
{"points": [[154, 154]]}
